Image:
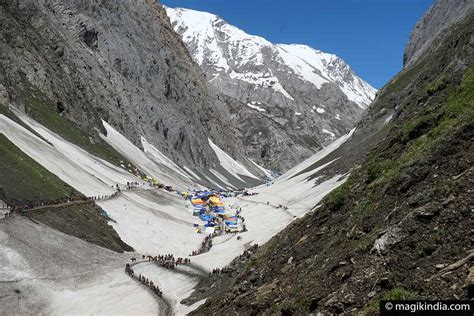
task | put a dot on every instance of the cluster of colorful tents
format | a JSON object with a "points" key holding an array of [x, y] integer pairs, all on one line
{"points": [[208, 206]]}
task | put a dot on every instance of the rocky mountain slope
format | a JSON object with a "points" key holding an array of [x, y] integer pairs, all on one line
{"points": [[441, 17], [400, 227], [71, 64], [278, 92]]}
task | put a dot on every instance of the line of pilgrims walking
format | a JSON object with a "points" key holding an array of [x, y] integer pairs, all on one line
{"points": [[144, 280], [206, 245], [67, 200]]}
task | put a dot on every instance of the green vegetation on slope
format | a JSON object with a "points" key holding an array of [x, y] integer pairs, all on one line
{"points": [[44, 111], [84, 221], [23, 180], [4, 110], [426, 133]]}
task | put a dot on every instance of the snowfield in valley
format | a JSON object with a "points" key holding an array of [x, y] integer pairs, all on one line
{"points": [[65, 275]]}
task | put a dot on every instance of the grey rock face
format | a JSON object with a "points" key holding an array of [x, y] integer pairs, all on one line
{"points": [[119, 61], [442, 15], [289, 99]]}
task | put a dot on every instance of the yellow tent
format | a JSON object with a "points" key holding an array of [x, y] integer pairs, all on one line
{"points": [[197, 201], [215, 200]]}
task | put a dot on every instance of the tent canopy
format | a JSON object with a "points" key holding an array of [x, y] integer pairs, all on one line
{"points": [[215, 200], [206, 217]]}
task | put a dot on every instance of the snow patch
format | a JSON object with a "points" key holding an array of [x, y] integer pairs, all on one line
{"points": [[267, 172], [192, 173], [228, 163], [159, 223], [328, 132], [154, 163], [388, 119], [316, 157], [306, 67], [158, 157], [256, 107], [86, 173], [222, 178], [318, 68], [265, 80]]}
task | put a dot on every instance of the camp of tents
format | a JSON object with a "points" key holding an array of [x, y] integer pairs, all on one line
{"points": [[209, 208]]}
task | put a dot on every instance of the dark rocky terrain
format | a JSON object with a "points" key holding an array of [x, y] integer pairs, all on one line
{"points": [[400, 227]]}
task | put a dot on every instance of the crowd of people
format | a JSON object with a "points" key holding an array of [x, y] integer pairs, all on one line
{"points": [[244, 256], [8, 212], [131, 185], [118, 190], [144, 280], [58, 201], [206, 244], [67, 200], [218, 271], [104, 197], [71, 199], [168, 261]]}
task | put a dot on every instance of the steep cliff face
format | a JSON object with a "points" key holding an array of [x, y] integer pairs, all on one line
{"points": [[117, 61], [290, 99], [437, 20], [399, 227]]}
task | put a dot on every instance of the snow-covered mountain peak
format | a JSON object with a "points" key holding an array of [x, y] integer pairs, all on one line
{"points": [[290, 99], [204, 33], [219, 47]]}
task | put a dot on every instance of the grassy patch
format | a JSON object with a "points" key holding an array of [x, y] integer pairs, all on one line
{"points": [[4, 110], [378, 169], [396, 294], [336, 199], [426, 132], [83, 221], [417, 127], [372, 308], [23, 180], [43, 110]]}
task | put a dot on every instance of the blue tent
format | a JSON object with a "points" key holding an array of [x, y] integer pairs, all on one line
{"points": [[205, 194], [231, 224], [206, 217]]}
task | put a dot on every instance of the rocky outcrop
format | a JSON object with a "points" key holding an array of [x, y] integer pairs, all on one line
{"points": [[289, 100], [117, 61], [440, 17]]}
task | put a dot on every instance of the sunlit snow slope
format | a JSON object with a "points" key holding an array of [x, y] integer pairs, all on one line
{"points": [[152, 221], [229, 50]]}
